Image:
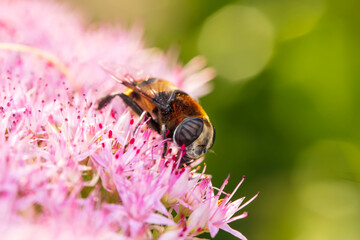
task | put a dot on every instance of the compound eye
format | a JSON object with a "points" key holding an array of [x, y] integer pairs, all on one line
{"points": [[188, 131]]}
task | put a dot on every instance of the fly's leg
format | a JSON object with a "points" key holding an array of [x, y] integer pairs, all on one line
{"points": [[141, 118], [139, 111], [106, 100], [131, 104], [163, 133]]}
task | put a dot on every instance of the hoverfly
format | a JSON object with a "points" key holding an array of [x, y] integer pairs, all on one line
{"points": [[172, 112]]}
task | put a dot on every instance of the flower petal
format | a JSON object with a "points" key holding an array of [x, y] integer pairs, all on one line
{"points": [[237, 234]]}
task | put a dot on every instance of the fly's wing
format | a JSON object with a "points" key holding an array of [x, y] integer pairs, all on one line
{"points": [[121, 72], [159, 89], [122, 75]]}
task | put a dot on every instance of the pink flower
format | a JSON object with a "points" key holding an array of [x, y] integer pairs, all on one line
{"points": [[213, 213], [69, 171]]}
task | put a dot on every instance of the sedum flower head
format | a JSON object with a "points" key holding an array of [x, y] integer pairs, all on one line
{"points": [[69, 171]]}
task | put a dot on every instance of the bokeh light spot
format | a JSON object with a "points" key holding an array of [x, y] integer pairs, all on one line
{"points": [[328, 160], [327, 189], [331, 199], [237, 41], [291, 18]]}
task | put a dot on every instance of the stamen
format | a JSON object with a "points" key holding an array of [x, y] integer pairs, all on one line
{"points": [[183, 147]]}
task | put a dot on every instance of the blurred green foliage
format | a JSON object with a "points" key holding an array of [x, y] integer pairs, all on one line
{"points": [[285, 104]]}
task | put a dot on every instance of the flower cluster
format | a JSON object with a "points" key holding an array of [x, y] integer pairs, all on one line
{"points": [[70, 171]]}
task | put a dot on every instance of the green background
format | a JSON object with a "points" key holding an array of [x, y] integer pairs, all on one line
{"points": [[285, 103]]}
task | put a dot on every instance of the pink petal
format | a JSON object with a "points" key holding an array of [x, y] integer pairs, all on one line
{"points": [[213, 229], [199, 216], [241, 216], [171, 235], [237, 234], [159, 219]]}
